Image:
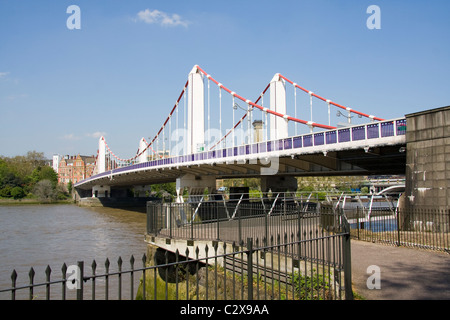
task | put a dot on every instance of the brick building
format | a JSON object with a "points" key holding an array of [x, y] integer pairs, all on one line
{"points": [[75, 168]]}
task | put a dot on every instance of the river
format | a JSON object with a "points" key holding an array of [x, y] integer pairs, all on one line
{"points": [[40, 235]]}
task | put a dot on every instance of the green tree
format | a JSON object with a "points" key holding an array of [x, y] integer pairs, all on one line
{"points": [[44, 173], [69, 187], [164, 188], [5, 192], [17, 193]]}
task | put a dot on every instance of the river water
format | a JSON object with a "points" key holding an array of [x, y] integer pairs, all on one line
{"points": [[40, 235]]}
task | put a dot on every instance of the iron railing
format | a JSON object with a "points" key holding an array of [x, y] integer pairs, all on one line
{"points": [[75, 284], [238, 218], [254, 270], [297, 231], [279, 252], [420, 228]]}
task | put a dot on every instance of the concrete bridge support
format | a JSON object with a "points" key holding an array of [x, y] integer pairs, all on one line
{"points": [[101, 191], [427, 159], [278, 126], [195, 185], [101, 159], [143, 155], [196, 113]]}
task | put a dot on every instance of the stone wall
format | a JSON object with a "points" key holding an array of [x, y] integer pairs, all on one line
{"points": [[428, 159]]}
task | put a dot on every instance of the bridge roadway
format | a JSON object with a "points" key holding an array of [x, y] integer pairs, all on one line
{"points": [[366, 149]]}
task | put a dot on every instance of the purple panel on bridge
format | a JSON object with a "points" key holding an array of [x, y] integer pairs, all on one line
{"points": [[387, 129], [344, 135], [288, 143], [401, 127], [331, 137], [318, 139], [358, 133], [307, 141], [297, 141], [373, 131]]}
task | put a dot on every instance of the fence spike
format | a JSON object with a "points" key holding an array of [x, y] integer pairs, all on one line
{"points": [[14, 277], [197, 250], [64, 270], [48, 271], [107, 264], [31, 274]]}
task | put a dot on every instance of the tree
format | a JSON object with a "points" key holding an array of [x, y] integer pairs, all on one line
{"points": [[69, 187], [17, 193], [61, 192], [44, 190], [45, 173], [164, 188], [5, 192]]}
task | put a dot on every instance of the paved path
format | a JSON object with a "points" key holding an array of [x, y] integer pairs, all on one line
{"points": [[405, 273]]}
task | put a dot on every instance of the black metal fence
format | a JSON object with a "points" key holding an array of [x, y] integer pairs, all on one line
{"points": [[105, 282], [237, 220], [293, 230], [260, 251], [421, 228], [254, 270], [263, 270]]}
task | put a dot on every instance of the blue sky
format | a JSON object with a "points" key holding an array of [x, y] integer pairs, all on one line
{"points": [[121, 73]]}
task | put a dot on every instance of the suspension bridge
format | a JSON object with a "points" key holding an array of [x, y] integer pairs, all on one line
{"points": [[266, 139]]}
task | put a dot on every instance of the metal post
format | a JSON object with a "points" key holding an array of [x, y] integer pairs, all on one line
{"points": [[250, 268], [398, 226], [216, 209], [347, 260], [80, 265]]}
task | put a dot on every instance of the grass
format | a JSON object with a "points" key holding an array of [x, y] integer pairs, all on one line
{"points": [[233, 286], [31, 201]]}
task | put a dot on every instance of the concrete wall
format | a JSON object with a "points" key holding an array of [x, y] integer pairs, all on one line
{"points": [[428, 159]]}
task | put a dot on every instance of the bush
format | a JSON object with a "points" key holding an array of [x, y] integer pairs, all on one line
{"points": [[5, 192], [44, 190], [17, 192]]}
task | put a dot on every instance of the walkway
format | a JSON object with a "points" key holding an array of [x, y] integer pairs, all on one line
{"points": [[406, 273]]}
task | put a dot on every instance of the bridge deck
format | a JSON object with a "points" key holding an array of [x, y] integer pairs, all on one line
{"points": [[290, 156]]}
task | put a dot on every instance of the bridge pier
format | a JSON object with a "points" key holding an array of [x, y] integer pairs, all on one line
{"points": [[427, 161], [101, 191], [195, 185]]}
